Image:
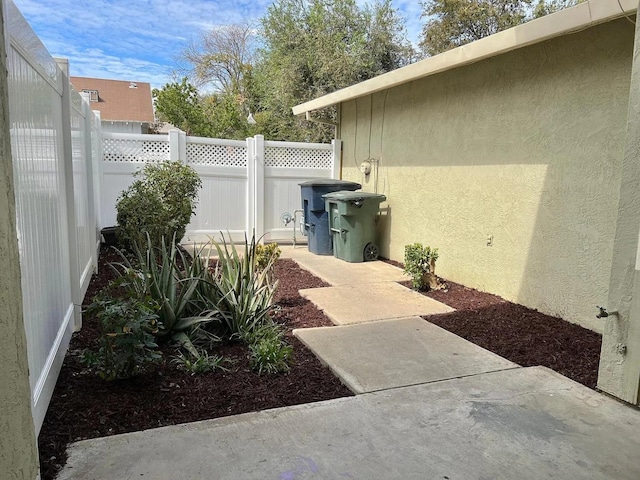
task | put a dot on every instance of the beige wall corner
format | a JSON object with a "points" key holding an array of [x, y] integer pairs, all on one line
{"points": [[511, 166], [18, 451], [619, 372]]}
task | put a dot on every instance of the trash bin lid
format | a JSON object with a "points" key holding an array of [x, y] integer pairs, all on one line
{"points": [[347, 196], [329, 182]]}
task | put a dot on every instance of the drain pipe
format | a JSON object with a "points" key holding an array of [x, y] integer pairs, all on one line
{"points": [[309, 118]]}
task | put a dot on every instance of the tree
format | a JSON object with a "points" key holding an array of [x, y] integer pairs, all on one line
{"points": [[452, 23], [314, 47], [179, 104], [223, 60], [222, 57], [227, 117]]}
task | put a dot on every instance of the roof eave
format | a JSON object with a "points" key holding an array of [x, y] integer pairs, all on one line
{"points": [[564, 22]]}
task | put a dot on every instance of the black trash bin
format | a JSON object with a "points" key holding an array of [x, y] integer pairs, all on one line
{"points": [[316, 219]]}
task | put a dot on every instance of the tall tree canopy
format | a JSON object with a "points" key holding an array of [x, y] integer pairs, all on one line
{"points": [[451, 23], [314, 47], [222, 57]]}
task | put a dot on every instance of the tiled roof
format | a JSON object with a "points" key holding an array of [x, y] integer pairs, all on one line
{"points": [[119, 100]]}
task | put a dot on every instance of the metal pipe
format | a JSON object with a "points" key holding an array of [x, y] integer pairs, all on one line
{"points": [[295, 212], [603, 313]]}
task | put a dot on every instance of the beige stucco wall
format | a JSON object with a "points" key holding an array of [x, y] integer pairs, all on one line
{"points": [[18, 455], [619, 372], [525, 147]]}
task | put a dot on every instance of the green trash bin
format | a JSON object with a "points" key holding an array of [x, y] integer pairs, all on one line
{"points": [[352, 217]]}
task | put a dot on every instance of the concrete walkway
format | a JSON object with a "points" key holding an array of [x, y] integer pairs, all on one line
{"points": [[397, 353], [523, 424], [430, 405]]}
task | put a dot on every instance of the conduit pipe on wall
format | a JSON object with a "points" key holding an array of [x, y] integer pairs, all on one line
{"points": [[309, 118]]}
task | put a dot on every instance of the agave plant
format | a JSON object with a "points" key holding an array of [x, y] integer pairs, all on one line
{"points": [[246, 291], [175, 282]]}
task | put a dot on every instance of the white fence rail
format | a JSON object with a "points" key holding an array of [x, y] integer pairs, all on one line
{"points": [[53, 140], [246, 185]]}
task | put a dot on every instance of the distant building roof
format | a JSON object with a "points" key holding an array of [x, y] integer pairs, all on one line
{"points": [[118, 100]]}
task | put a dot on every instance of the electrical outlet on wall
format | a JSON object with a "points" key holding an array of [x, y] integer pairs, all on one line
{"points": [[489, 240]]}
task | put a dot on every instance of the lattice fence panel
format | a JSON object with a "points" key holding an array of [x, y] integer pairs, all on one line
{"points": [[216, 155], [292, 157], [135, 151]]}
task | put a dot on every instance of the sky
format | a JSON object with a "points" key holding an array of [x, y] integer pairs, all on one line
{"points": [[140, 40]]}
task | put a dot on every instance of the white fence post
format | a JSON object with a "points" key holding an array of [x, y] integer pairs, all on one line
{"points": [[177, 146], [89, 162], [97, 172], [69, 196], [251, 187], [259, 185], [174, 145], [336, 148]]}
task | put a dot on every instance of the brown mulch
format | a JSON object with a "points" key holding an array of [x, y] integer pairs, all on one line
{"points": [[520, 334], [84, 406]]}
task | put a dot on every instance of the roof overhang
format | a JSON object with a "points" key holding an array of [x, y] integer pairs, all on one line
{"points": [[564, 22]]}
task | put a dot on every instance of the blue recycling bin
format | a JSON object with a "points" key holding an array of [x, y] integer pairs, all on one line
{"points": [[316, 218]]}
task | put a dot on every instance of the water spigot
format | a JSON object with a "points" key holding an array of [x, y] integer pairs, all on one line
{"points": [[603, 312]]}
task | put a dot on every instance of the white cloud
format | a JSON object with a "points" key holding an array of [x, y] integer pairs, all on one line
{"points": [[141, 39]]}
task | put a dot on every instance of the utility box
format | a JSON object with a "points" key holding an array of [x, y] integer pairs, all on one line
{"points": [[316, 219], [352, 218]]}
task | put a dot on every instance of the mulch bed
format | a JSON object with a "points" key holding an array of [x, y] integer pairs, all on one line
{"points": [[520, 334], [83, 406]]}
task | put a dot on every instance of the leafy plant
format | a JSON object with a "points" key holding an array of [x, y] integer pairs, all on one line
{"points": [[159, 204], [267, 255], [420, 264], [269, 353], [127, 340], [173, 281], [246, 292], [203, 363]]}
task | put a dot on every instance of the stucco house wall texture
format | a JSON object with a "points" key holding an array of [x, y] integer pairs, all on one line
{"points": [[18, 451], [522, 151]]}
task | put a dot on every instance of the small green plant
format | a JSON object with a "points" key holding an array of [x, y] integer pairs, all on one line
{"points": [[159, 204], [420, 265], [204, 363], [267, 255], [246, 292], [268, 351], [127, 339]]}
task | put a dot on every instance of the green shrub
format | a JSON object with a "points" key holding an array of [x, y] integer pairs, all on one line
{"points": [[269, 353], [158, 204], [245, 291], [267, 255], [419, 264], [127, 334]]}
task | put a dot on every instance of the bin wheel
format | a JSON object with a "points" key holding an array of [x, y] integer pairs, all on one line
{"points": [[371, 252]]}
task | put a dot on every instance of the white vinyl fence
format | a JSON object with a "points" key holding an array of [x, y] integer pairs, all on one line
{"points": [[55, 162], [68, 175], [246, 185]]}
